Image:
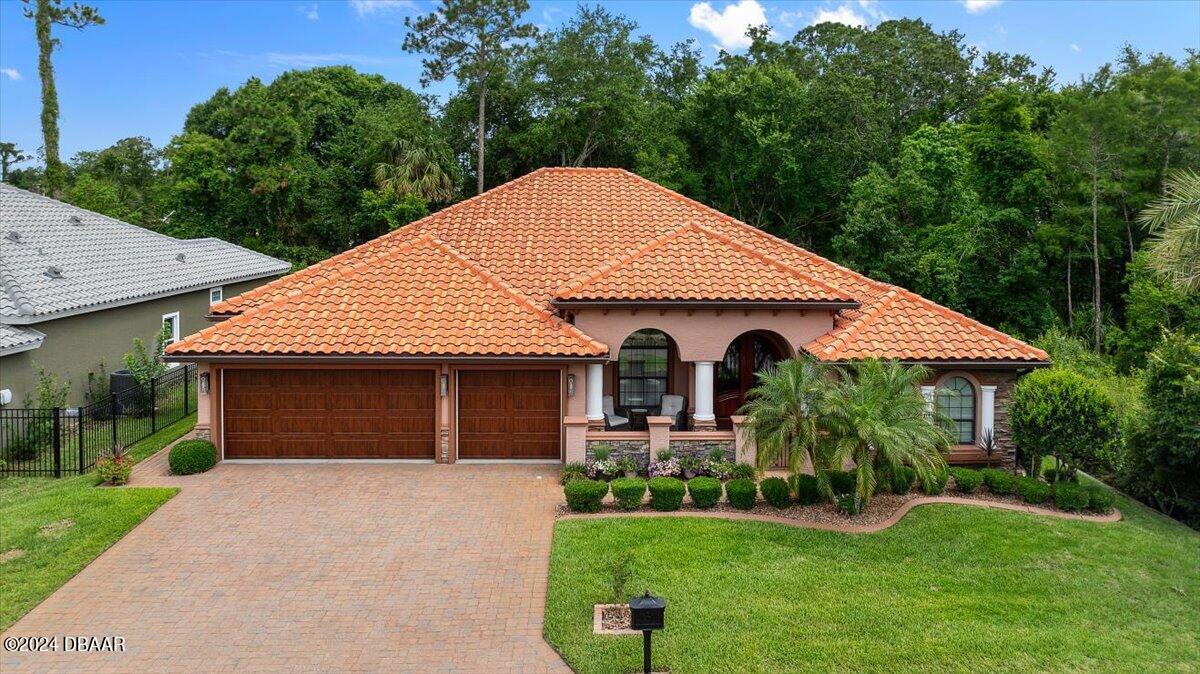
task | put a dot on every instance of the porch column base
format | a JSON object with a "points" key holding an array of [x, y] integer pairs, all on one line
{"points": [[575, 440], [704, 424]]}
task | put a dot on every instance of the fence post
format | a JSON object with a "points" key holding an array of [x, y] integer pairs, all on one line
{"points": [[57, 441], [153, 404], [113, 417], [79, 425], [186, 375]]}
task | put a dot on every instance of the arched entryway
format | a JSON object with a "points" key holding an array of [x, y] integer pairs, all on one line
{"points": [[749, 353]]}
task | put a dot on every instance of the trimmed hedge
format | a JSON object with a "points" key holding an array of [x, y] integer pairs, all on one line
{"points": [[966, 480], [998, 481], [705, 491], [936, 484], [741, 493], [897, 481], [776, 492], [848, 504], [584, 495], [192, 456], [1033, 490], [1100, 499], [805, 487], [629, 492], [842, 481], [666, 493], [1070, 496]]}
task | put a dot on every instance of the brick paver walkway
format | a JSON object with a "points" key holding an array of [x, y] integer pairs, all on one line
{"points": [[318, 568]]}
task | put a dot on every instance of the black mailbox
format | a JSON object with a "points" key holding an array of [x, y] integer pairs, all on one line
{"points": [[646, 612]]}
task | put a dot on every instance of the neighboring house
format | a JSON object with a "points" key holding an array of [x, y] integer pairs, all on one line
{"points": [[552, 313], [77, 287]]}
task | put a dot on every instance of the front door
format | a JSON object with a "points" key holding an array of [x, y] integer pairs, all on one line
{"points": [[747, 354]]}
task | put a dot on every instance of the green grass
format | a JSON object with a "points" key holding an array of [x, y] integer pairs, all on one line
{"points": [[949, 588], [101, 517]]}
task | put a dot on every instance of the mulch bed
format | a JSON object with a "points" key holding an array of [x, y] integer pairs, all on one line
{"points": [[880, 509]]}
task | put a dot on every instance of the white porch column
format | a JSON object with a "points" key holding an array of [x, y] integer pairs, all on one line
{"points": [[703, 395], [987, 409], [595, 391], [927, 391]]}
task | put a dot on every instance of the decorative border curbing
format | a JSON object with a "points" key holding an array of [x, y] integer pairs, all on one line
{"points": [[1114, 516]]}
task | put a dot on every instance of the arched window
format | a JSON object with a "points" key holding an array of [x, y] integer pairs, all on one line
{"points": [[642, 369], [956, 400]]}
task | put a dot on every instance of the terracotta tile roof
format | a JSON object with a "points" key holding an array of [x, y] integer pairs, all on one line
{"points": [[560, 227], [421, 298], [695, 263]]}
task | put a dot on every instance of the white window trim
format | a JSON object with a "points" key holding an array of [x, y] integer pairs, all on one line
{"points": [[220, 291], [174, 316]]}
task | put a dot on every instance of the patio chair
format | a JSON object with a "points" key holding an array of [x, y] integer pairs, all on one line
{"points": [[612, 422], [674, 406]]}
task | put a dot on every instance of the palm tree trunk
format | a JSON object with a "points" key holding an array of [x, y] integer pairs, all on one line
{"points": [[481, 135], [54, 167]]}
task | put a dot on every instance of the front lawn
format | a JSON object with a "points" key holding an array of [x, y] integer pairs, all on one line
{"points": [[947, 588], [62, 525]]}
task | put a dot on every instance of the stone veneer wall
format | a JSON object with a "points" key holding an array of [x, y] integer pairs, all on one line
{"points": [[1004, 389], [640, 449]]}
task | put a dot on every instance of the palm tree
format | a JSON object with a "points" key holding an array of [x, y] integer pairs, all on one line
{"points": [[781, 412], [1174, 220], [418, 168], [877, 418]]}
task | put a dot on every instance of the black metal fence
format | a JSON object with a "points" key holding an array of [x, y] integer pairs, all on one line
{"points": [[67, 440]]}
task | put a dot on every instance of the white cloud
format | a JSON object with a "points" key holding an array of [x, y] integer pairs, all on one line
{"points": [[365, 7], [728, 25], [1076, 48], [790, 19], [873, 10], [840, 14], [309, 11], [11, 73], [979, 6]]}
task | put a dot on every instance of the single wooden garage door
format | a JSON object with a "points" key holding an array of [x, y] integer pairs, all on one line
{"points": [[337, 414], [508, 414]]}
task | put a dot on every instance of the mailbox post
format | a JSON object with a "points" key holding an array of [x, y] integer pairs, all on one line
{"points": [[646, 614]]}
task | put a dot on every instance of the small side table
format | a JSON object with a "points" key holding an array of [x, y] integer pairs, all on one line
{"points": [[637, 418]]}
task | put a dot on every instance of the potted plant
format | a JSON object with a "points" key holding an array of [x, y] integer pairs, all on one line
{"points": [[628, 466], [690, 465], [666, 465], [601, 467]]}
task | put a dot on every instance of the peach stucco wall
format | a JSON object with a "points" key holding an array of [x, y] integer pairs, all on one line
{"points": [[703, 334]]}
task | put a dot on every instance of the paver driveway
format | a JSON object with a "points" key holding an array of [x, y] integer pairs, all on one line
{"points": [[320, 567]]}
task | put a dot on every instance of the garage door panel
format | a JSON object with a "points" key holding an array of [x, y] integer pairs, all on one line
{"points": [[509, 414], [337, 413]]}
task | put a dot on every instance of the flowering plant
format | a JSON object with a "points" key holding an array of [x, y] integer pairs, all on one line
{"points": [[114, 468], [664, 468], [601, 468], [718, 468]]}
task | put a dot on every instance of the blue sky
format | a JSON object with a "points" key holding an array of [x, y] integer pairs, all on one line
{"points": [[141, 72]]}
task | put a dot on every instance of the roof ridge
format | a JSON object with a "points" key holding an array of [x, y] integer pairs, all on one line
{"points": [[521, 298], [13, 289], [768, 259], [607, 268], [962, 318], [868, 313]]}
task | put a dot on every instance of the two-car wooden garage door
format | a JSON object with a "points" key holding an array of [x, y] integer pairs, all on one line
{"points": [[387, 413]]}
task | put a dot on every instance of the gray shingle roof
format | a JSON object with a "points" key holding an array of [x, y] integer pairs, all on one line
{"points": [[56, 258], [15, 340]]}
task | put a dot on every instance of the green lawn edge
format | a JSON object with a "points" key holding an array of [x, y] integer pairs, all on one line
{"points": [[102, 517], [948, 588]]}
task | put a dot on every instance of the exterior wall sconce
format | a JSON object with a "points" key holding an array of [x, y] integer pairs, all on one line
{"points": [[205, 383], [444, 385], [570, 386]]}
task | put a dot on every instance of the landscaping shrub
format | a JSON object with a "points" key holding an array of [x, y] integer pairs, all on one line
{"points": [[584, 496], [114, 468], [841, 481], [741, 493], [902, 480], [1100, 499], [705, 491], [936, 484], [776, 492], [1000, 482], [806, 489], [1033, 490], [192, 456], [573, 471], [966, 480], [848, 504], [1070, 496], [1061, 413], [666, 493], [744, 471], [628, 492]]}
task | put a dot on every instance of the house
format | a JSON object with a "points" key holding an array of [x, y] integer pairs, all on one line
{"points": [[77, 287], [552, 313]]}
